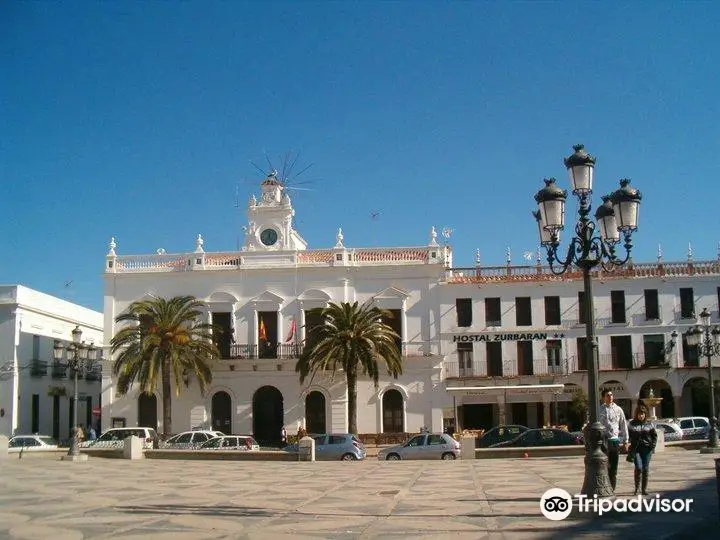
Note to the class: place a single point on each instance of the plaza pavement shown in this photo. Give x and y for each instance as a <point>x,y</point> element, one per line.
<point>42,497</point>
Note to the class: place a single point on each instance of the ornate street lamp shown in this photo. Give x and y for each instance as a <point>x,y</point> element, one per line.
<point>617,215</point>
<point>706,338</point>
<point>77,354</point>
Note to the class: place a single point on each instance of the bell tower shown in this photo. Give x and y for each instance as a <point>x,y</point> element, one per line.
<point>270,219</point>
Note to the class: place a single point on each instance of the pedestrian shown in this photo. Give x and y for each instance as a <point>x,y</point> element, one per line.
<point>283,435</point>
<point>643,439</point>
<point>91,435</point>
<point>612,417</point>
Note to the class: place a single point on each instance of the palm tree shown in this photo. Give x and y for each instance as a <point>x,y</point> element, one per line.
<point>164,340</point>
<point>352,338</point>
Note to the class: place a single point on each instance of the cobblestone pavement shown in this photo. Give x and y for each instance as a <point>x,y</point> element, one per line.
<point>498,498</point>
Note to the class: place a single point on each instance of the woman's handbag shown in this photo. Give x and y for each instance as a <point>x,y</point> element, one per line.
<point>630,456</point>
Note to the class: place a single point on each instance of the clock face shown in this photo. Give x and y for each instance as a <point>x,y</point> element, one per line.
<point>268,237</point>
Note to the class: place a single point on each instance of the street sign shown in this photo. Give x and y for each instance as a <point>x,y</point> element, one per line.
<point>96,411</point>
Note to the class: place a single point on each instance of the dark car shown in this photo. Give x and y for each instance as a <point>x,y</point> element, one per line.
<point>541,437</point>
<point>500,434</point>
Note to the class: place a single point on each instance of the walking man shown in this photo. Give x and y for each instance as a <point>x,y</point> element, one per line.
<point>612,417</point>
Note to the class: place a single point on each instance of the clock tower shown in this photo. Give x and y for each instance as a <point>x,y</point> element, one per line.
<point>270,220</point>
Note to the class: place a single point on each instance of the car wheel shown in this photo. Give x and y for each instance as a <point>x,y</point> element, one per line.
<point>448,456</point>
<point>348,457</point>
<point>393,457</point>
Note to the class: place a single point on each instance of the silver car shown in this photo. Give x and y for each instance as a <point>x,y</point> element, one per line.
<point>423,446</point>
<point>190,439</point>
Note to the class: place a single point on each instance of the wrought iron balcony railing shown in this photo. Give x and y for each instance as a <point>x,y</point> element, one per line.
<point>38,368</point>
<point>59,370</point>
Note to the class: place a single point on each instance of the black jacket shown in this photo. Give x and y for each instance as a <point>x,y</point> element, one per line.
<point>642,435</point>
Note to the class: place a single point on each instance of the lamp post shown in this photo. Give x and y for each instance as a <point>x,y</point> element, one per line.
<point>77,354</point>
<point>707,339</point>
<point>617,215</point>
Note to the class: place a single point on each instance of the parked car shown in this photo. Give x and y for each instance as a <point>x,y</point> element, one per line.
<point>671,429</point>
<point>423,446</point>
<point>500,434</point>
<point>115,438</point>
<point>694,427</point>
<point>541,437</point>
<point>190,439</point>
<point>231,442</point>
<point>32,443</point>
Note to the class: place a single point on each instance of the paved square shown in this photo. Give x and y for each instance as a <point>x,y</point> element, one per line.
<point>107,498</point>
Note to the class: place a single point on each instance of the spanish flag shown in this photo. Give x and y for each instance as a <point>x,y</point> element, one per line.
<point>291,334</point>
<point>262,333</point>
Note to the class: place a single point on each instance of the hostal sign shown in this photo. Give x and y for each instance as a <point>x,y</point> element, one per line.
<point>502,336</point>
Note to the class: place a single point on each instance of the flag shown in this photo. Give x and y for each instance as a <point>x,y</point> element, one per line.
<point>262,333</point>
<point>291,335</point>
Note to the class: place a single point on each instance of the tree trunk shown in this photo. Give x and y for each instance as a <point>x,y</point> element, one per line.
<point>351,377</point>
<point>166,398</point>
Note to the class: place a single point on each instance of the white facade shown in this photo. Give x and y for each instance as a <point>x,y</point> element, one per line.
<point>268,287</point>
<point>35,391</point>
<point>261,294</point>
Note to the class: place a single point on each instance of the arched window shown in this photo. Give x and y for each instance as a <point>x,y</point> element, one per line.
<point>392,405</point>
<point>315,412</point>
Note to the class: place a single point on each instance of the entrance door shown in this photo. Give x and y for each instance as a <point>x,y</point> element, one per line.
<point>221,412</point>
<point>147,411</point>
<point>519,414</point>
<point>268,416</point>
<point>315,412</point>
<point>478,416</point>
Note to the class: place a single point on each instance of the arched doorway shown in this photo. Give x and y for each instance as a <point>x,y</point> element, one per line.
<point>661,389</point>
<point>147,411</point>
<point>696,397</point>
<point>268,415</point>
<point>315,412</point>
<point>392,407</point>
<point>221,412</point>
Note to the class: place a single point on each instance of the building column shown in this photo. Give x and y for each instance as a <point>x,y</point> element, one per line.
<point>256,322</point>
<point>502,417</point>
<point>678,407</point>
<point>547,419</point>
<point>403,323</point>
<point>300,326</point>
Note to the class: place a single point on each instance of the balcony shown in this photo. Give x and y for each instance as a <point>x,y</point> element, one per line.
<point>38,368</point>
<point>620,361</point>
<point>59,370</point>
<point>279,351</point>
<point>478,369</point>
<point>93,372</point>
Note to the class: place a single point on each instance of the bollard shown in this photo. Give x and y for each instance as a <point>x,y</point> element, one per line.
<point>3,447</point>
<point>467,447</point>
<point>306,449</point>
<point>133,448</point>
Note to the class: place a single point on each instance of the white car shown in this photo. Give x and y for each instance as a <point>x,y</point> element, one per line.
<point>115,438</point>
<point>232,442</point>
<point>32,443</point>
<point>671,429</point>
<point>190,439</point>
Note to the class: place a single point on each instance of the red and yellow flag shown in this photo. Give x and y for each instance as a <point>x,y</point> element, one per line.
<point>262,334</point>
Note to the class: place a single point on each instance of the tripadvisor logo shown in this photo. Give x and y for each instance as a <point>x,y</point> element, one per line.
<point>557,504</point>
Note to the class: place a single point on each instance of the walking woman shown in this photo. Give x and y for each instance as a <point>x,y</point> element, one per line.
<point>643,439</point>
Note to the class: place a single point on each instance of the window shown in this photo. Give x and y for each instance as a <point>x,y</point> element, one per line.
<point>652,306</point>
<point>184,438</point>
<point>395,322</point>
<point>465,356</point>
<point>435,439</point>
<point>35,418</point>
<point>523,313</point>
<point>336,439</point>
<point>222,333</point>
<point>525,357</point>
<point>582,354</point>
<point>553,347</point>
<point>691,358</point>
<point>416,441</point>
<point>687,303</point>
<point>463,307</point>
<point>581,307</point>
<point>492,312</point>
<point>654,346</point>
<point>621,347</point>
<point>493,352</point>
<point>552,310</point>
<point>200,438</point>
<point>36,348</point>
<point>617,301</point>
<point>267,337</point>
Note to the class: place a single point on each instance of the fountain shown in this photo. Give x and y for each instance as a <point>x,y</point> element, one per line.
<point>651,402</point>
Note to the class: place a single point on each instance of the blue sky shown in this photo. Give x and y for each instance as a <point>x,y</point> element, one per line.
<point>140,120</point>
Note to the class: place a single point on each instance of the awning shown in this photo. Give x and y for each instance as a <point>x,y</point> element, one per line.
<point>514,389</point>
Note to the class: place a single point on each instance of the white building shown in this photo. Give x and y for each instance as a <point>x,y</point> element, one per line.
<point>262,295</point>
<point>464,332</point>
<point>36,392</point>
